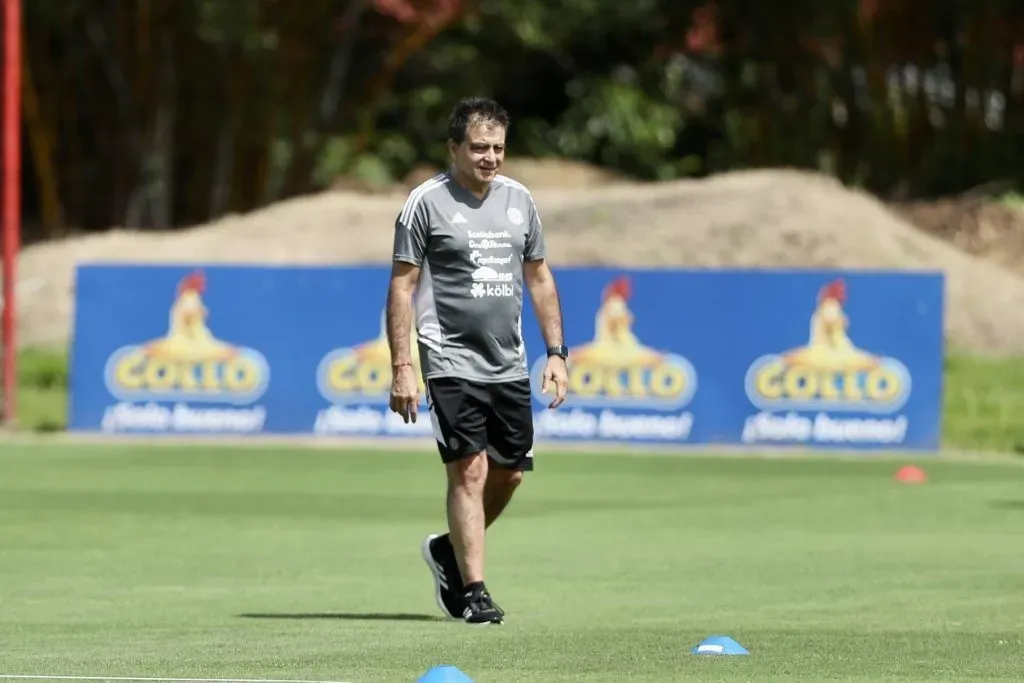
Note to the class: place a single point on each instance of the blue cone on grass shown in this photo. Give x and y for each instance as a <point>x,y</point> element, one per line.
<point>719,645</point>
<point>444,674</point>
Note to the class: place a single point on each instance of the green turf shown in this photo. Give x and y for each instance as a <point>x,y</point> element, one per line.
<point>144,562</point>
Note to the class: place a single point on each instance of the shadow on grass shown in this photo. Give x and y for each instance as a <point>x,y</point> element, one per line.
<point>1008,505</point>
<point>349,616</point>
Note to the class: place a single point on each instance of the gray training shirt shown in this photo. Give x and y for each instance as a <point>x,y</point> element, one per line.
<point>469,301</point>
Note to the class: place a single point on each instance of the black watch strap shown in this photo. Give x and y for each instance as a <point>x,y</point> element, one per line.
<point>562,351</point>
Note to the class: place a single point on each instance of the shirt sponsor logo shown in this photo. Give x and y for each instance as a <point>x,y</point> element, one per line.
<point>479,290</point>
<point>489,244</point>
<point>481,260</point>
<point>489,234</point>
<point>487,282</point>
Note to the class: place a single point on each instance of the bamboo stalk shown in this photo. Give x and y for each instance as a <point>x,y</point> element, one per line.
<point>42,144</point>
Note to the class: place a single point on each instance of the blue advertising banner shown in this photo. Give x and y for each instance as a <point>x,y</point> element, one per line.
<point>811,358</point>
<point>814,358</point>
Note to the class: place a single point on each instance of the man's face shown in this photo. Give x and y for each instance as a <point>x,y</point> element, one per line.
<point>481,153</point>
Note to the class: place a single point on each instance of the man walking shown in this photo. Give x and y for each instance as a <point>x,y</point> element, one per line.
<point>467,244</point>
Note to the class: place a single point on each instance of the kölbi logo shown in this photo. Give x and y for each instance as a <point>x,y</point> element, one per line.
<point>479,290</point>
<point>485,274</point>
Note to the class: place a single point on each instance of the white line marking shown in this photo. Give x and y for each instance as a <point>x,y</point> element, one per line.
<point>25,677</point>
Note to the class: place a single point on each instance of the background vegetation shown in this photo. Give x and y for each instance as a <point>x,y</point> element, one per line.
<point>161,113</point>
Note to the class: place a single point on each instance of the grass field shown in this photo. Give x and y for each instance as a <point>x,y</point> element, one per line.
<point>269,562</point>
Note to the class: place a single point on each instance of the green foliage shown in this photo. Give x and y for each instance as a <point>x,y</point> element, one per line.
<point>381,166</point>
<point>615,123</point>
<point>554,25</point>
<point>43,368</point>
<point>42,389</point>
<point>228,22</point>
<point>984,402</point>
<point>1014,200</point>
<point>272,98</point>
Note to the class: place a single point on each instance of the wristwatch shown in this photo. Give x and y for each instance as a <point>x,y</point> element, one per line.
<point>562,351</point>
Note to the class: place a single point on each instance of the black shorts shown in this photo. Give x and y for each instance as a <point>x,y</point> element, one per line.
<point>469,417</point>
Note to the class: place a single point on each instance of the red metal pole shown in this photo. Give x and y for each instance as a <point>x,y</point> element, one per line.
<point>11,202</point>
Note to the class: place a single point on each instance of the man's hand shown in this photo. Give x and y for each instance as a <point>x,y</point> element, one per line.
<point>556,372</point>
<point>541,283</point>
<point>405,394</point>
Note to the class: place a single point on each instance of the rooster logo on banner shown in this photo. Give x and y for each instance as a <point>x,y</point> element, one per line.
<point>189,363</point>
<point>829,372</point>
<point>616,369</point>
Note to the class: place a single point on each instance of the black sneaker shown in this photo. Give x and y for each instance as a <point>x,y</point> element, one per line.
<point>480,608</point>
<point>440,558</point>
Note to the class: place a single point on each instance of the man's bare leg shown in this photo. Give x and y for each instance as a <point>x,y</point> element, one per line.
<point>467,480</point>
<point>501,485</point>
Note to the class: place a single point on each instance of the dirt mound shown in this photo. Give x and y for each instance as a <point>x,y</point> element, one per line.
<point>561,174</point>
<point>980,226</point>
<point>757,218</point>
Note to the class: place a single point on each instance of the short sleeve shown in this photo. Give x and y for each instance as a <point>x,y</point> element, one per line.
<point>535,249</point>
<point>411,233</point>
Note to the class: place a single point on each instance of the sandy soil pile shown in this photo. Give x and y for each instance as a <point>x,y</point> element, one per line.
<point>978,225</point>
<point>757,218</point>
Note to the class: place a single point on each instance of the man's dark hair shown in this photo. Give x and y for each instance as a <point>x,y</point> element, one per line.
<point>471,111</point>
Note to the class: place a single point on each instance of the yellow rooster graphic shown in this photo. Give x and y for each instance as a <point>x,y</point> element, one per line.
<point>614,342</point>
<point>188,337</point>
<point>378,351</point>
<point>829,347</point>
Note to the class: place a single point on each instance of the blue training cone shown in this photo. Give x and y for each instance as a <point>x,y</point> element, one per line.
<point>719,645</point>
<point>444,674</point>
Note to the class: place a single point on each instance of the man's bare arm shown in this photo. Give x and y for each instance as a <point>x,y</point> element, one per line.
<point>541,283</point>
<point>404,277</point>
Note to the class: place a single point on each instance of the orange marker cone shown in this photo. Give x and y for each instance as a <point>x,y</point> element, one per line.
<point>911,474</point>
